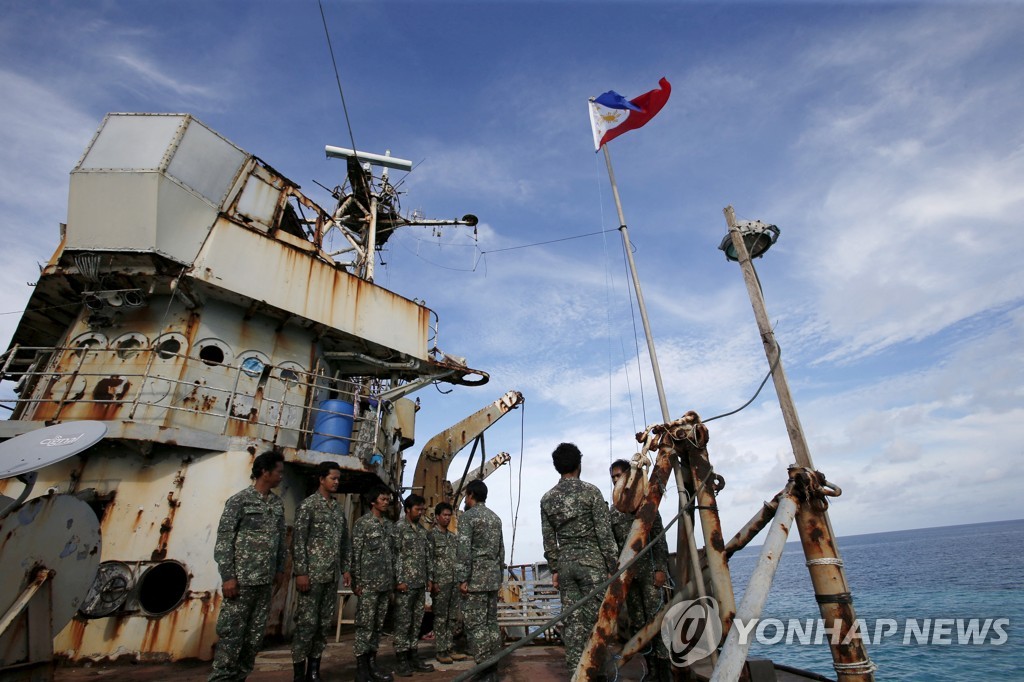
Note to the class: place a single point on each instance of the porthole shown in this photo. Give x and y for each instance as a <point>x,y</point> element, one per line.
<point>88,342</point>
<point>162,588</point>
<point>213,352</point>
<point>212,355</point>
<point>168,348</point>
<point>129,345</point>
<point>252,366</point>
<point>290,373</point>
<point>128,348</point>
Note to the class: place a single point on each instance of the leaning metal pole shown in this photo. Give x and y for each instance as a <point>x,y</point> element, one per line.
<point>737,643</point>
<point>685,536</point>
<point>835,602</point>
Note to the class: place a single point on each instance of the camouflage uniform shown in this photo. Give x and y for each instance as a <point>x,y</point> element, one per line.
<point>412,567</point>
<point>481,564</point>
<point>579,546</point>
<point>444,546</point>
<point>373,571</point>
<point>644,598</point>
<point>321,548</point>
<point>250,549</point>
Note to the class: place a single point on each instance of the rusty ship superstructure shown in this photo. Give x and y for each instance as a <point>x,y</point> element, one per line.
<point>191,307</point>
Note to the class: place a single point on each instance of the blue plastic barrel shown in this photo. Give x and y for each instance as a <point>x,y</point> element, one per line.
<point>333,427</point>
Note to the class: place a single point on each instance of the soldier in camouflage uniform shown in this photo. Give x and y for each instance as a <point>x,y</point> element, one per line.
<point>578,545</point>
<point>373,579</point>
<point>320,554</point>
<point>414,578</point>
<point>479,570</point>
<point>644,599</point>
<point>250,555</point>
<point>444,545</point>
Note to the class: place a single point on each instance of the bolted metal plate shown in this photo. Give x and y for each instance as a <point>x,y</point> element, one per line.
<point>114,582</point>
<point>36,449</point>
<point>58,532</point>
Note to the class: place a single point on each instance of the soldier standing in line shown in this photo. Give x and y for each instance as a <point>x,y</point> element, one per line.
<point>250,555</point>
<point>650,573</point>
<point>373,579</point>
<point>320,551</point>
<point>578,545</point>
<point>479,570</point>
<point>444,545</point>
<point>414,578</point>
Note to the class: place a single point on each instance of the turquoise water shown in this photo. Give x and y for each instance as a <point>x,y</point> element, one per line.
<point>970,571</point>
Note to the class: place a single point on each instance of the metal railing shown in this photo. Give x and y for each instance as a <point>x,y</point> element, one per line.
<point>146,385</point>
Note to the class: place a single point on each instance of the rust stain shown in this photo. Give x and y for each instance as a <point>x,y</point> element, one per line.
<point>173,502</point>
<point>138,520</point>
<point>77,633</point>
<point>111,388</point>
<point>149,637</point>
<point>717,541</point>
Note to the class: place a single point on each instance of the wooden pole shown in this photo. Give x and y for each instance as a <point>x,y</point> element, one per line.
<point>835,602</point>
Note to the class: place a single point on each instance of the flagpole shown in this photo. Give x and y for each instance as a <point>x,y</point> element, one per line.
<point>685,534</point>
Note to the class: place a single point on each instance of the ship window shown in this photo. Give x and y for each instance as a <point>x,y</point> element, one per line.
<point>88,342</point>
<point>128,348</point>
<point>289,376</point>
<point>211,355</point>
<point>252,366</point>
<point>168,348</point>
<point>162,587</point>
<point>85,345</point>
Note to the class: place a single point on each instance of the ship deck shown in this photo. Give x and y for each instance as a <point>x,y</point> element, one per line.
<point>531,663</point>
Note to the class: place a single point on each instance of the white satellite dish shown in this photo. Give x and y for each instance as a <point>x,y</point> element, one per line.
<point>37,449</point>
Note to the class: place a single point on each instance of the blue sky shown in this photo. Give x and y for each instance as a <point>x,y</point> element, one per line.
<point>886,141</point>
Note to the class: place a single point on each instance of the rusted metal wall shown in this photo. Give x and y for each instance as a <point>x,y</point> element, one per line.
<point>162,508</point>
<point>288,278</point>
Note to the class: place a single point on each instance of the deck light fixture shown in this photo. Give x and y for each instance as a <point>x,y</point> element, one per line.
<point>757,236</point>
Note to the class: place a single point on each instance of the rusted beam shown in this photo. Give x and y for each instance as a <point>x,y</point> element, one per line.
<point>831,591</point>
<point>734,651</point>
<point>711,527</point>
<point>754,526</point>
<point>663,438</point>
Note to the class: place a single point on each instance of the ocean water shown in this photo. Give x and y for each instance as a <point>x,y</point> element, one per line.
<point>964,572</point>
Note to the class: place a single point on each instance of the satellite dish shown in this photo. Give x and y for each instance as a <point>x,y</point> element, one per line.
<point>37,449</point>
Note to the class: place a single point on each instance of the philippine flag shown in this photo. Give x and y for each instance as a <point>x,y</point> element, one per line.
<point>611,114</point>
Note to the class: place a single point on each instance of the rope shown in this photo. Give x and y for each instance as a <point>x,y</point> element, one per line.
<point>337,76</point>
<point>550,241</point>
<point>45,307</point>
<point>636,342</point>
<point>771,371</point>
<point>519,496</point>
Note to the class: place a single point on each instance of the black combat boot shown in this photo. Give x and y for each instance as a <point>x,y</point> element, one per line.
<point>376,674</point>
<point>418,665</point>
<point>313,670</point>
<point>363,668</point>
<point>298,672</point>
<point>402,668</point>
